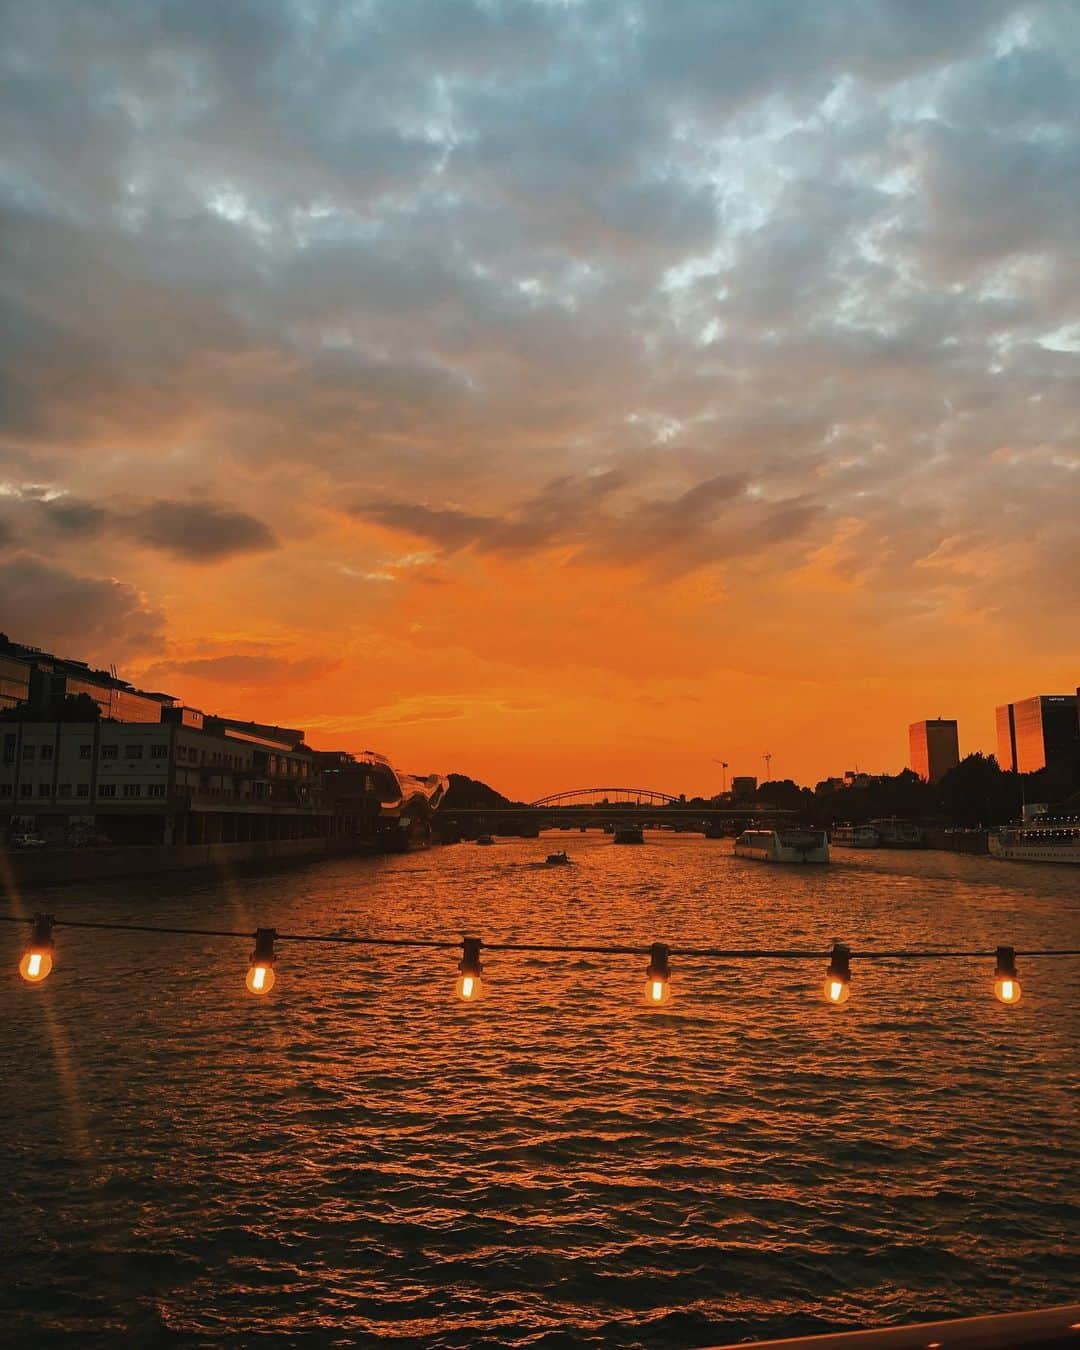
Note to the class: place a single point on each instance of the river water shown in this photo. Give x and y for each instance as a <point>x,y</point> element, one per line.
<point>357,1157</point>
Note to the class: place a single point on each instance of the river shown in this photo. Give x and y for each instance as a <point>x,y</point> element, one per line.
<point>357,1156</point>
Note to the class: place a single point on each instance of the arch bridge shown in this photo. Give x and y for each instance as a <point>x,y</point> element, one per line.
<point>607,796</point>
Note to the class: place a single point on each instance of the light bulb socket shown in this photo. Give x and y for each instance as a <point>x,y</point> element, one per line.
<point>840,962</point>
<point>659,965</point>
<point>1006,964</point>
<point>470,956</point>
<point>41,932</point>
<point>264,946</point>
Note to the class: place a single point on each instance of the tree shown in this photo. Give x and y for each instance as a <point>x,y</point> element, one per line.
<point>977,792</point>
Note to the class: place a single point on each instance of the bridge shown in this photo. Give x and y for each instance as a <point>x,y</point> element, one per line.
<point>595,808</point>
<point>607,796</point>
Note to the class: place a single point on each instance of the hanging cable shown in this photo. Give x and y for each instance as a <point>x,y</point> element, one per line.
<point>37,958</point>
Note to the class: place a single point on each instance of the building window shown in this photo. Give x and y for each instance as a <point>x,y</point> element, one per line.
<point>5,789</point>
<point>159,752</point>
<point>28,752</point>
<point>133,752</point>
<point>109,790</point>
<point>46,752</point>
<point>82,790</point>
<point>44,790</point>
<point>132,789</point>
<point>26,789</point>
<point>64,790</point>
<point>85,751</point>
<point>110,751</point>
<point>156,790</point>
<point>9,748</point>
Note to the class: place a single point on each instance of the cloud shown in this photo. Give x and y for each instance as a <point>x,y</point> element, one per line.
<point>96,617</point>
<point>198,532</point>
<point>244,669</point>
<point>714,519</point>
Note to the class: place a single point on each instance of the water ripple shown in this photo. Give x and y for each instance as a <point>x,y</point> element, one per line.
<point>357,1159</point>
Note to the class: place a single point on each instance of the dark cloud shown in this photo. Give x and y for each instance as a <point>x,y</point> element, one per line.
<point>198,532</point>
<point>54,608</point>
<point>601,521</point>
<point>72,517</point>
<point>243,669</point>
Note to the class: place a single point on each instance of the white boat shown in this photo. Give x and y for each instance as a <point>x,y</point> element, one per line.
<point>1039,837</point>
<point>855,836</point>
<point>896,833</point>
<point>795,844</point>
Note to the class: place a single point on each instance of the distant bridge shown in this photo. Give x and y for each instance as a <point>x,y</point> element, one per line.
<point>607,796</point>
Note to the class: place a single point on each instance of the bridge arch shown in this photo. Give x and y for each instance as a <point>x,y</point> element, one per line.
<point>610,796</point>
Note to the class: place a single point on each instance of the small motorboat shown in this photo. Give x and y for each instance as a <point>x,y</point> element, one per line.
<point>484,839</point>
<point>629,834</point>
<point>557,859</point>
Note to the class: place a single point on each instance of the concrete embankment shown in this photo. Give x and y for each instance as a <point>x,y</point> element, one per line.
<point>48,866</point>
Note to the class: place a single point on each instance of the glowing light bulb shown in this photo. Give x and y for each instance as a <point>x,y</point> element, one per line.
<point>1006,985</point>
<point>37,959</point>
<point>470,986</point>
<point>658,976</point>
<point>838,979</point>
<point>260,977</point>
<point>35,965</point>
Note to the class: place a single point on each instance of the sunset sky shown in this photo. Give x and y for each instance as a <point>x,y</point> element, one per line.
<point>558,393</point>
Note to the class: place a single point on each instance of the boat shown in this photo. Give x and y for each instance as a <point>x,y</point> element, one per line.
<point>795,844</point>
<point>484,839</point>
<point>896,833</point>
<point>628,834</point>
<point>1038,837</point>
<point>557,859</point>
<point>854,836</point>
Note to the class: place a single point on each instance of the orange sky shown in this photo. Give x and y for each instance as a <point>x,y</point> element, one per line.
<point>544,399</point>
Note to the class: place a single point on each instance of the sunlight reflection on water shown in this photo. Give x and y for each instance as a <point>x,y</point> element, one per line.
<point>357,1156</point>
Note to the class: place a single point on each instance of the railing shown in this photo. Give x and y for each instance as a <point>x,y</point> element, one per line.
<point>1046,1329</point>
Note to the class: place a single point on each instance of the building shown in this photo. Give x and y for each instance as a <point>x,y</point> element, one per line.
<point>144,768</point>
<point>370,797</point>
<point>158,782</point>
<point>935,748</point>
<point>1038,733</point>
<point>743,787</point>
<point>30,675</point>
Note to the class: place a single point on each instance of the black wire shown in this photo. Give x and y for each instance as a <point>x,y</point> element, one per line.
<point>693,953</point>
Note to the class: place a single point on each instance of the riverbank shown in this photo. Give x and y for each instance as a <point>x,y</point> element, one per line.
<point>53,866</point>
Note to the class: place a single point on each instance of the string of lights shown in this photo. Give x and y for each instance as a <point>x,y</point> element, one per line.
<point>37,958</point>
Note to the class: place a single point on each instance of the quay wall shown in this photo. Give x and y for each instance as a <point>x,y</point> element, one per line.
<point>48,866</point>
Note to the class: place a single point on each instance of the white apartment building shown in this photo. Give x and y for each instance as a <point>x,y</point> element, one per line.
<point>156,782</point>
